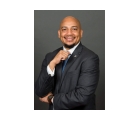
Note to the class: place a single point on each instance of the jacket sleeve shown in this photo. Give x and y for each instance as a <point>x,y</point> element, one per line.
<point>44,83</point>
<point>86,86</point>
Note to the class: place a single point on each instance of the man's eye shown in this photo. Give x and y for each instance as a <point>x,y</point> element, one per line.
<point>63,29</point>
<point>74,28</point>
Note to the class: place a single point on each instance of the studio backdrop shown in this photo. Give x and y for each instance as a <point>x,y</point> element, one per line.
<point>46,25</point>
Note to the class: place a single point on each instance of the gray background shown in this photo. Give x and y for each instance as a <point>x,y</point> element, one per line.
<point>46,25</point>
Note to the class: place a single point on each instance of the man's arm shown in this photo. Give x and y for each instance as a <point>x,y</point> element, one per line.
<point>44,83</point>
<point>87,84</point>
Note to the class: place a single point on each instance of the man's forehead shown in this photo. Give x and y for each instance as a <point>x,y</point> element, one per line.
<point>70,21</point>
<point>70,26</point>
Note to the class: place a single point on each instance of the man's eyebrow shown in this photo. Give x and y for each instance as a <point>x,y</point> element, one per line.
<point>63,26</point>
<point>75,26</point>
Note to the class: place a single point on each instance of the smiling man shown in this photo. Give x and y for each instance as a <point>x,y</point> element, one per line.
<point>70,74</point>
<point>70,32</point>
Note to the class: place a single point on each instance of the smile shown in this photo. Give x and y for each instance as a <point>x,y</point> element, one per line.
<point>69,38</point>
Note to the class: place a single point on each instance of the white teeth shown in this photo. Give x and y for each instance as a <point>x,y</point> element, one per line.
<point>69,39</point>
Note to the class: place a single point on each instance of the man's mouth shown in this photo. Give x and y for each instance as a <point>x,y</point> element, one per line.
<point>69,38</point>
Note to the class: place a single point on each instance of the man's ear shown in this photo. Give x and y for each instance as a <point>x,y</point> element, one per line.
<point>81,33</point>
<point>58,33</point>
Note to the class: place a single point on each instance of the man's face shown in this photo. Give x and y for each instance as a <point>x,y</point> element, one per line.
<point>70,32</point>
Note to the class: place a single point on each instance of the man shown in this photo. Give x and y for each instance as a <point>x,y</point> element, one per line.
<point>70,74</point>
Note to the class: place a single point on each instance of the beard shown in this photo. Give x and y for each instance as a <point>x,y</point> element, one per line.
<point>69,46</point>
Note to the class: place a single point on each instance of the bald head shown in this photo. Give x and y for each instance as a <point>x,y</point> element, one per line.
<point>71,19</point>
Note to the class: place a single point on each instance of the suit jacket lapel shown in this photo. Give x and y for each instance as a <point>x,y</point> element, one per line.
<point>71,60</point>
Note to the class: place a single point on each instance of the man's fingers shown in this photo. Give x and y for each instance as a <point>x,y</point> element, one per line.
<point>67,52</point>
<point>40,99</point>
<point>43,100</point>
<point>62,55</point>
<point>64,52</point>
<point>65,55</point>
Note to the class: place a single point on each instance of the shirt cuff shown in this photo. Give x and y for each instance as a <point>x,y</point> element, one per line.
<point>50,71</point>
<point>52,100</point>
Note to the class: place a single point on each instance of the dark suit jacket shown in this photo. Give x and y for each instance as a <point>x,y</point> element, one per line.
<point>75,88</point>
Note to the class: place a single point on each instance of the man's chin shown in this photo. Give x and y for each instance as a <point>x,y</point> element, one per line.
<point>69,46</point>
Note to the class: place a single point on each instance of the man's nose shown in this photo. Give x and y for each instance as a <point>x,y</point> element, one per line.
<point>69,32</point>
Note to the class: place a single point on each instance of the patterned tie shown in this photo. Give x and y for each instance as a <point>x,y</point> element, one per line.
<point>64,63</point>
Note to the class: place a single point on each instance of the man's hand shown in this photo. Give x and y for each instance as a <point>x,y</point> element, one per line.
<point>61,55</point>
<point>45,99</point>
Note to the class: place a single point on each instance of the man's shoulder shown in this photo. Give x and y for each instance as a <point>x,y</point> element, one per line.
<point>88,52</point>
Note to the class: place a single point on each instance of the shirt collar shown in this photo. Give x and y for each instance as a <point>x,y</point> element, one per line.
<point>72,49</point>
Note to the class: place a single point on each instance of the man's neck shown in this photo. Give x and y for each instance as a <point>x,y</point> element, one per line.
<point>71,50</point>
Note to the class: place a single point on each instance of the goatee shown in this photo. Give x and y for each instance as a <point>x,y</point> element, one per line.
<point>69,46</point>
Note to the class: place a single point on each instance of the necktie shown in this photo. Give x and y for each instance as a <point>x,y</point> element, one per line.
<point>64,63</point>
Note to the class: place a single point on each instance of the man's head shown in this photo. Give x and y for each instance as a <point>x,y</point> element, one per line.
<point>70,31</point>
